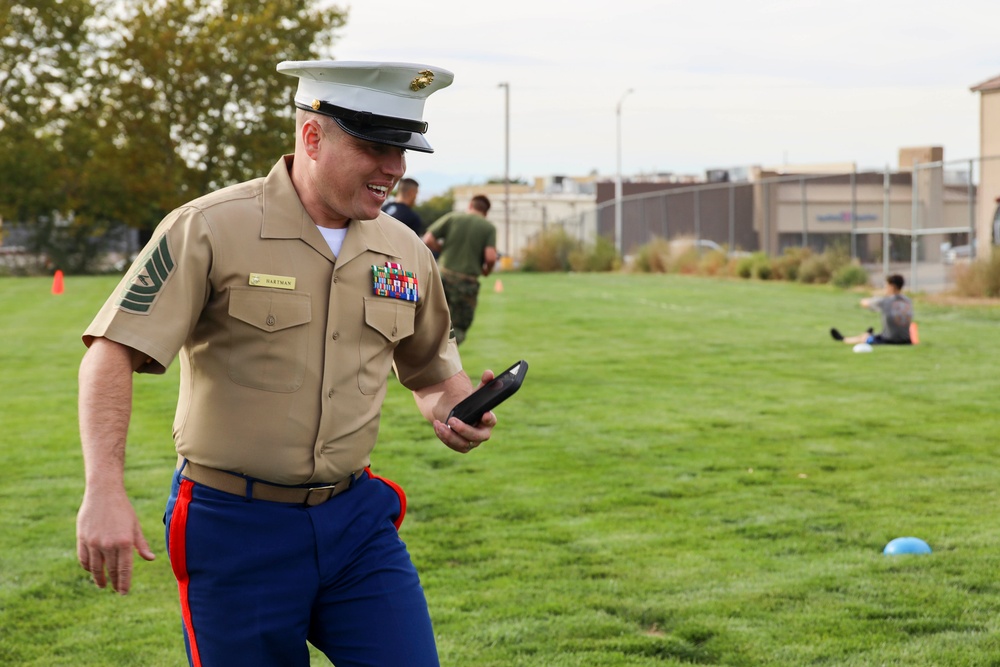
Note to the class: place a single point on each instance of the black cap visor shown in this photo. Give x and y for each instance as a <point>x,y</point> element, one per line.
<point>386,135</point>
<point>399,132</point>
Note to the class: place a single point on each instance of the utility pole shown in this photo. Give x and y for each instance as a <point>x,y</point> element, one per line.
<point>618,179</point>
<point>506,167</point>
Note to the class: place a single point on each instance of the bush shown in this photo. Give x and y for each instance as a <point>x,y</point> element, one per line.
<point>549,251</point>
<point>757,265</point>
<point>981,278</point>
<point>815,269</point>
<point>555,250</point>
<point>850,275</point>
<point>787,266</point>
<point>714,263</point>
<point>601,256</point>
<point>653,257</point>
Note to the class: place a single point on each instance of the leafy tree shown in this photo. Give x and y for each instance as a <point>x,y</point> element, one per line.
<point>40,47</point>
<point>113,112</point>
<point>435,207</point>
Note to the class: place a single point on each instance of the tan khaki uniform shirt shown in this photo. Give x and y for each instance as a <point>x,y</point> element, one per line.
<point>285,349</point>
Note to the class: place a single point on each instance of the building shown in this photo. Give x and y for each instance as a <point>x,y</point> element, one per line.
<point>989,154</point>
<point>532,209</point>
<point>876,215</point>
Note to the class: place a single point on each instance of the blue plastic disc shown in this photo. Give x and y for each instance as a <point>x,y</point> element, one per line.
<point>906,545</point>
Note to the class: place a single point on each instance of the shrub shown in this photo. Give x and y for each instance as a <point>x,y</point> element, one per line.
<point>980,278</point>
<point>601,256</point>
<point>850,275</point>
<point>549,251</point>
<point>815,269</point>
<point>762,269</point>
<point>653,257</point>
<point>714,263</point>
<point>787,266</point>
<point>686,261</point>
<point>757,265</point>
<point>744,267</point>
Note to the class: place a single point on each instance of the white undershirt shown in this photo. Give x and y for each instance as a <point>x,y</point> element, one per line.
<point>334,238</point>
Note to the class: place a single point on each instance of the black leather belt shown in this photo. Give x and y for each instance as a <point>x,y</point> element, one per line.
<point>228,482</point>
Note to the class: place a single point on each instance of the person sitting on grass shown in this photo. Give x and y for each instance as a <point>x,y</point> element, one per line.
<point>897,314</point>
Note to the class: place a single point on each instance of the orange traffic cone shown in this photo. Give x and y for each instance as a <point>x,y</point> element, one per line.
<point>57,282</point>
<point>498,286</point>
<point>914,334</point>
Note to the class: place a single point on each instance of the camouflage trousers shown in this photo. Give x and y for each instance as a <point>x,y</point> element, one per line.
<point>462,293</point>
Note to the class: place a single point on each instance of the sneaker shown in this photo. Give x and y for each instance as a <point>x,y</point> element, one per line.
<point>836,334</point>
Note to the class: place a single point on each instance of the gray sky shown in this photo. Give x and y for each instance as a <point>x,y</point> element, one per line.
<point>717,83</point>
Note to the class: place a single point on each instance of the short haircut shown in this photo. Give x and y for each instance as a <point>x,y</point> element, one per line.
<point>408,184</point>
<point>895,280</point>
<point>481,203</point>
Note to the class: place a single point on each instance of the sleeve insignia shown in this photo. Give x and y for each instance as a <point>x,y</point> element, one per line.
<point>149,275</point>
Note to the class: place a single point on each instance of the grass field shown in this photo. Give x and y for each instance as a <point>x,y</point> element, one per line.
<point>693,473</point>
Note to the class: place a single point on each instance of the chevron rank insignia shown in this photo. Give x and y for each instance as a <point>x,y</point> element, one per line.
<point>148,279</point>
<point>391,281</point>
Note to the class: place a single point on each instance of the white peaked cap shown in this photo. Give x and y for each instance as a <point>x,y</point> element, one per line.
<point>380,102</point>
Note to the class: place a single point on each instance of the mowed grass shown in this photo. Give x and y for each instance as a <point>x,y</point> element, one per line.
<point>693,473</point>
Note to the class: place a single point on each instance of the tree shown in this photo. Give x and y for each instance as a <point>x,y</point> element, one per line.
<point>145,104</point>
<point>435,207</point>
<point>40,46</point>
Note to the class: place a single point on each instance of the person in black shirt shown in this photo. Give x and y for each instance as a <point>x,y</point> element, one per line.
<point>402,207</point>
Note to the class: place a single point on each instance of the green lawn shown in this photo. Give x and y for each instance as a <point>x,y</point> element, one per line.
<point>693,473</point>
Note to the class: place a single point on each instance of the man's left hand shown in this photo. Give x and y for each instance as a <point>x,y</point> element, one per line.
<point>462,437</point>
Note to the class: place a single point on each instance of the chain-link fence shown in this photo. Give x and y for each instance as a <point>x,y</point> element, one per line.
<point>920,221</point>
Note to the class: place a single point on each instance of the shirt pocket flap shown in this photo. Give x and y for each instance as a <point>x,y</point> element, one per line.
<point>391,318</point>
<point>270,311</point>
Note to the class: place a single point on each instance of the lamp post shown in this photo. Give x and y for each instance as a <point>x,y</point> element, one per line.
<point>618,179</point>
<point>506,166</point>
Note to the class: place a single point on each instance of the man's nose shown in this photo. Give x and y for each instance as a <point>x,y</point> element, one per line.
<point>395,163</point>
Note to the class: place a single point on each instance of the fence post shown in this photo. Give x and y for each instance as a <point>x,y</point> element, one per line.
<point>666,229</point>
<point>805,215</point>
<point>697,217</point>
<point>886,211</point>
<point>972,216</point>
<point>732,217</point>
<point>914,188</point>
<point>854,213</point>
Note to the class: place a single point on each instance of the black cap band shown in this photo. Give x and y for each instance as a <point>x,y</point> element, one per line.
<point>365,117</point>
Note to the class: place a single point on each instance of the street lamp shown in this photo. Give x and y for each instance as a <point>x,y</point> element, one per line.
<point>618,179</point>
<point>506,166</point>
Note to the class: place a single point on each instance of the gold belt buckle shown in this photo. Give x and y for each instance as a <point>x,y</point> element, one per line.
<point>312,502</point>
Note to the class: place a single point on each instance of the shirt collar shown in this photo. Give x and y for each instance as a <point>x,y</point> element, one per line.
<point>286,218</point>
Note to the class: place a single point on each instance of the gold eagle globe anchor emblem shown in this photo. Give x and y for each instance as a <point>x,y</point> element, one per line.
<point>423,79</point>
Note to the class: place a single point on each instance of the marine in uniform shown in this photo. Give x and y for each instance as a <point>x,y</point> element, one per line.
<point>465,247</point>
<point>287,309</point>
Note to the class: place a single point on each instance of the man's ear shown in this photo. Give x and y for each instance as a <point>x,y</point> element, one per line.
<point>312,135</point>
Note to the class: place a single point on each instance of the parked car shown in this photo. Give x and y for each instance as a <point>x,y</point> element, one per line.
<point>702,245</point>
<point>953,254</point>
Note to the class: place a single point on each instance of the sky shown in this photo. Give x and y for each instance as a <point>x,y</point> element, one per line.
<point>714,83</point>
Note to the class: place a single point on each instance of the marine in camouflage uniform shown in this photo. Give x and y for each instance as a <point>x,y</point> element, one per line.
<point>467,246</point>
<point>462,293</point>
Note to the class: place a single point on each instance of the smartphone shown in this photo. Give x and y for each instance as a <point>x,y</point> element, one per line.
<point>490,395</point>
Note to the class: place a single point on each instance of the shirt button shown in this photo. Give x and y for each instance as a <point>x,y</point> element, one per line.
<point>335,279</point>
<point>270,320</point>
<point>394,331</point>
<point>329,394</point>
<point>336,335</point>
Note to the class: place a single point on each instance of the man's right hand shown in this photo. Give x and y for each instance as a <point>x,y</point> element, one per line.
<point>107,530</point>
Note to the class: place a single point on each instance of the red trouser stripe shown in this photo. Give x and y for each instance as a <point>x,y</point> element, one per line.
<point>399,492</point>
<point>178,561</point>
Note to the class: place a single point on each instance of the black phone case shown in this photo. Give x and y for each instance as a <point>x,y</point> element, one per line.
<point>487,397</point>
